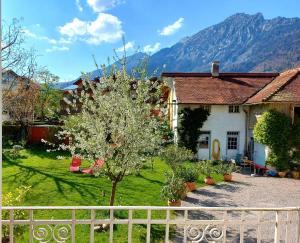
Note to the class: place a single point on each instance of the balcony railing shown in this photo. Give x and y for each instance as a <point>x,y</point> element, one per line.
<point>180,224</point>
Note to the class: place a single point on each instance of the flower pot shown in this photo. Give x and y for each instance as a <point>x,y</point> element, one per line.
<point>281,174</point>
<point>191,186</point>
<point>295,174</point>
<point>174,203</point>
<point>227,177</point>
<point>209,181</point>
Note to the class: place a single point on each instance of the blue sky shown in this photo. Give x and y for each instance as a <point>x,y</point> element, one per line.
<point>66,33</point>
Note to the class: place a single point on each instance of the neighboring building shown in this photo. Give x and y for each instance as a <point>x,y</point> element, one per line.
<point>235,101</point>
<point>10,81</point>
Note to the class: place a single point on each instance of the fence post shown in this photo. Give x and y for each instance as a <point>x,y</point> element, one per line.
<point>276,233</point>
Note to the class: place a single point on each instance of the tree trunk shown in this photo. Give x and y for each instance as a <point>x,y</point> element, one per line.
<point>113,193</point>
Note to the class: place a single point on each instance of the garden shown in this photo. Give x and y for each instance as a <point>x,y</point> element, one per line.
<point>43,179</point>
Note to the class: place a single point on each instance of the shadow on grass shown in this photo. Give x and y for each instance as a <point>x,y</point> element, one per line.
<point>148,179</point>
<point>28,172</point>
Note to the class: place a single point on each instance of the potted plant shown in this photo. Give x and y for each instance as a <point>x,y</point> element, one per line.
<point>175,155</point>
<point>279,162</point>
<point>226,170</point>
<point>189,176</point>
<point>207,168</point>
<point>295,168</point>
<point>174,190</point>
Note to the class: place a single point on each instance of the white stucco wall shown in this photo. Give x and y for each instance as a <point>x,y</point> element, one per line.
<point>219,123</point>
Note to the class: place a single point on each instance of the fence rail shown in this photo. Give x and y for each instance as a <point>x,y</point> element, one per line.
<point>180,224</point>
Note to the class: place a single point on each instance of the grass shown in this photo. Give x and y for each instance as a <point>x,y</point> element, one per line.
<point>53,185</point>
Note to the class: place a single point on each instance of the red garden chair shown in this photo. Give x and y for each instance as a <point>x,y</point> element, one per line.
<point>98,164</point>
<point>75,164</point>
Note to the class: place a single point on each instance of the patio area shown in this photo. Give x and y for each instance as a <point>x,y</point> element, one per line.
<point>254,192</point>
<point>248,191</point>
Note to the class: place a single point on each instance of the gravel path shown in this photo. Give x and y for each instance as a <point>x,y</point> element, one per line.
<point>247,191</point>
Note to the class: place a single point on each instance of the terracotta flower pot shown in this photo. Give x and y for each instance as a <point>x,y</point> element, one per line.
<point>281,174</point>
<point>174,203</point>
<point>209,181</point>
<point>191,186</point>
<point>295,174</point>
<point>227,177</point>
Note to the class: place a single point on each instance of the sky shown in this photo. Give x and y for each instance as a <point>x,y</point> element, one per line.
<point>68,33</point>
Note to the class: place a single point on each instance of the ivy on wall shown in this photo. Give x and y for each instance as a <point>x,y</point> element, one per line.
<point>191,121</point>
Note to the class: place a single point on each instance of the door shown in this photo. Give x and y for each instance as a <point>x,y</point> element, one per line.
<point>232,148</point>
<point>204,146</point>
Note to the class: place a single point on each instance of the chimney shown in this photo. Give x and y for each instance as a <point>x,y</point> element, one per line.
<point>215,66</point>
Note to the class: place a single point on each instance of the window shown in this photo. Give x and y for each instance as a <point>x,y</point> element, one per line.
<point>205,107</point>
<point>232,140</point>
<point>204,140</point>
<point>234,109</point>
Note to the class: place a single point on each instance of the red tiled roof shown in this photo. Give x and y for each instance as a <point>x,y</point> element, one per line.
<point>284,88</point>
<point>227,88</point>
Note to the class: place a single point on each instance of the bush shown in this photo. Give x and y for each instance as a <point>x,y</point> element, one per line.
<point>226,168</point>
<point>206,168</point>
<point>174,155</point>
<point>174,188</point>
<point>188,174</point>
<point>275,130</point>
<point>14,199</point>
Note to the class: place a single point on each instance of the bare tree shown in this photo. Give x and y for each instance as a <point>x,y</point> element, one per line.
<point>14,55</point>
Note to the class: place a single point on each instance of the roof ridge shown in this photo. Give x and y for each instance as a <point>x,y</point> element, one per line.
<point>255,93</point>
<point>282,85</point>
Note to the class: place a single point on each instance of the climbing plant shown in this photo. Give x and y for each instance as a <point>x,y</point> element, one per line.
<point>191,121</point>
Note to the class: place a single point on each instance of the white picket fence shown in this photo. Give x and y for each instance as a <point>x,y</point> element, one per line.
<point>191,224</point>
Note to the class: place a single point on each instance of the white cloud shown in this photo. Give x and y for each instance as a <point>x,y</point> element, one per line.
<point>78,5</point>
<point>106,28</point>
<point>57,48</point>
<point>172,28</point>
<point>76,27</point>
<point>152,48</point>
<point>129,45</point>
<point>102,5</point>
<point>62,41</point>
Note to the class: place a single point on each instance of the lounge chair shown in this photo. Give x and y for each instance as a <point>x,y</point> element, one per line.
<point>75,164</point>
<point>98,164</point>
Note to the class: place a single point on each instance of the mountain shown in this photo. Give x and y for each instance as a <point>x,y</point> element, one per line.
<point>132,61</point>
<point>242,43</point>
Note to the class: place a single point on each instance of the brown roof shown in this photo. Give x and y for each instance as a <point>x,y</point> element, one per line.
<point>284,88</point>
<point>227,88</point>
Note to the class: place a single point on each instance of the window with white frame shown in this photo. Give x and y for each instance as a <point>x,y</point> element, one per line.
<point>232,140</point>
<point>234,109</point>
<point>203,141</point>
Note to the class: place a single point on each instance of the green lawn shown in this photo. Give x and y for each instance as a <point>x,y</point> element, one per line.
<point>52,184</point>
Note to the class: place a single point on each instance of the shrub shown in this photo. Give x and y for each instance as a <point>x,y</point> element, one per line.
<point>174,188</point>
<point>206,168</point>
<point>225,168</point>
<point>175,155</point>
<point>14,199</point>
<point>275,130</point>
<point>188,174</point>
<point>278,161</point>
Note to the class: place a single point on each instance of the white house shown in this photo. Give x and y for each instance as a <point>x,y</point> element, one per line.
<point>235,101</point>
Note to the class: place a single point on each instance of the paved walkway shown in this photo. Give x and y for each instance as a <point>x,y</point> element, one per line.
<point>247,191</point>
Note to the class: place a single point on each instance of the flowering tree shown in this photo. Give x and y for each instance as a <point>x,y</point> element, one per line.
<point>115,124</point>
